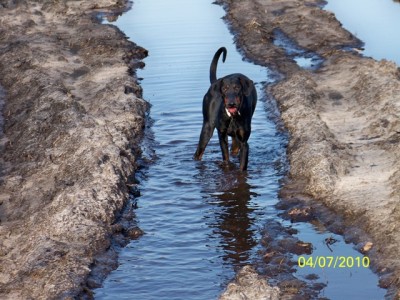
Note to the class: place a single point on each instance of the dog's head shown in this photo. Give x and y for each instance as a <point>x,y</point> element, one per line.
<point>232,90</point>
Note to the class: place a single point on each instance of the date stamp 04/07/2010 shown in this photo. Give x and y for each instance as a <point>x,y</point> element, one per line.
<point>333,262</point>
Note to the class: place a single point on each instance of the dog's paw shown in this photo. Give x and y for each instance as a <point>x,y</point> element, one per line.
<point>235,152</point>
<point>197,156</point>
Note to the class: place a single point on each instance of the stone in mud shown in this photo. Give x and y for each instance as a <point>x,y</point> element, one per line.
<point>249,285</point>
<point>365,247</point>
<point>299,214</point>
<point>293,286</point>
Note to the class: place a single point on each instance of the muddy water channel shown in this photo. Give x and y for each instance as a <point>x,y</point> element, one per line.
<point>203,221</point>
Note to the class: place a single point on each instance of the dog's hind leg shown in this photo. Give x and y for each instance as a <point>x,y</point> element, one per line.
<point>235,146</point>
<point>205,136</point>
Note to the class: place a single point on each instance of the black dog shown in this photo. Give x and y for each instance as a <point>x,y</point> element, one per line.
<point>228,105</point>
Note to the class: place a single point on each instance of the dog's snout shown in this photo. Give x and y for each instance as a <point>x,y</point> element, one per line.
<point>232,100</point>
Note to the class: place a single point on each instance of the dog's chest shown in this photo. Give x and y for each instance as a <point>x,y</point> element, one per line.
<point>233,126</point>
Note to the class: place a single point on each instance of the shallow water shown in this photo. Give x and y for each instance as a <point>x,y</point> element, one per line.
<point>305,59</point>
<point>201,221</point>
<point>375,22</point>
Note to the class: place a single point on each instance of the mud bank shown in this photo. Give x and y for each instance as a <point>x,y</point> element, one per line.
<point>72,121</point>
<point>343,120</point>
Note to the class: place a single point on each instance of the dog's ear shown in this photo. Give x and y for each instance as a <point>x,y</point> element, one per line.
<point>215,88</point>
<point>247,86</point>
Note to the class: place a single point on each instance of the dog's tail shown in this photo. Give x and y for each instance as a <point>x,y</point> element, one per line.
<point>214,62</point>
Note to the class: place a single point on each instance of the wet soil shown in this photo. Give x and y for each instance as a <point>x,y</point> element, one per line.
<point>343,121</point>
<point>73,118</point>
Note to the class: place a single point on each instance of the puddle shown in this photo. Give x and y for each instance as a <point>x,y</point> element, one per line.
<point>346,274</point>
<point>375,22</point>
<point>305,59</point>
<point>202,222</point>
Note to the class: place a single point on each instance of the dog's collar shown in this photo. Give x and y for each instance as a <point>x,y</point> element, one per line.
<point>229,114</point>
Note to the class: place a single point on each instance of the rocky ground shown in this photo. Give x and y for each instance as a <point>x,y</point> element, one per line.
<point>73,116</point>
<point>72,121</point>
<point>343,120</point>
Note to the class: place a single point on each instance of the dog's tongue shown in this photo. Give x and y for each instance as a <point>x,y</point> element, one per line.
<point>232,110</point>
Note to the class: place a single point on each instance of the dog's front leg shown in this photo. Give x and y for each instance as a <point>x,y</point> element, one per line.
<point>205,136</point>
<point>243,135</point>
<point>223,142</point>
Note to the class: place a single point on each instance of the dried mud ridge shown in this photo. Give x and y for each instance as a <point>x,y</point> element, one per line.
<point>343,121</point>
<point>73,116</point>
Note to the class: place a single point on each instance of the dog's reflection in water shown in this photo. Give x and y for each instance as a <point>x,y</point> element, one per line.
<point>229,193</point>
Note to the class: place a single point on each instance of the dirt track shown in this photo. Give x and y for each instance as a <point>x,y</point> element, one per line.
<point>343,120</point>
<point>73,116</point>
